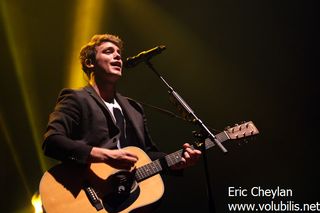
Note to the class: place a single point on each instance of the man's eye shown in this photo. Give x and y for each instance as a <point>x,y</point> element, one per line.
<point>107,51</point>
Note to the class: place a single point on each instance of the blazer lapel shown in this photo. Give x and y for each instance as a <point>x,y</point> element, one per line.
<point>95,96</point>
<point>132,115</point>
<point>99,101</point>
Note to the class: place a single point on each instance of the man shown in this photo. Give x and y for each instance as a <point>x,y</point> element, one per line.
<point>94,123</point>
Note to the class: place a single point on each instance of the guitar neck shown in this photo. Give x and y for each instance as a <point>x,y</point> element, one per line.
<point>155,167</point>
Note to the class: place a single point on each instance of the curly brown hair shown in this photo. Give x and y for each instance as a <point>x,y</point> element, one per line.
<point>88,51</point>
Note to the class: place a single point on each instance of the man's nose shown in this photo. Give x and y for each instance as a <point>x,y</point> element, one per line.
<point>117,56</point>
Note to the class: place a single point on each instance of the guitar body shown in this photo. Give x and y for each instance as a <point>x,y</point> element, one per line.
<point>100,188</point>
<point>64,188</point>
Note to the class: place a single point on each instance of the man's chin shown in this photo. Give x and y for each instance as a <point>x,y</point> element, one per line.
<point>116,72</point>
<point>114,76</point>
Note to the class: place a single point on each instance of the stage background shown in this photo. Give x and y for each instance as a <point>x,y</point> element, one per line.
<point>232,61</point>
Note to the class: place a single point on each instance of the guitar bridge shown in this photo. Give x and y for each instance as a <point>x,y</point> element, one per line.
<point>94,199</point>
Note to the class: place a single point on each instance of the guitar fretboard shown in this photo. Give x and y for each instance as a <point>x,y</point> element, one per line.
<point>148,170</point>
<point>155,167</point>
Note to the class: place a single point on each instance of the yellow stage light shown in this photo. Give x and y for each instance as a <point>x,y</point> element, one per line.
<point>36,202</point>
<point>86,23</point>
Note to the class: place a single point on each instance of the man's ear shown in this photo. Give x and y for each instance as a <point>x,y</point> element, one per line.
<point>89,63</point>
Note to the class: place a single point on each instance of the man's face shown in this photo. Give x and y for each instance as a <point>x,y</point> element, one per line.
<point>108,60</point>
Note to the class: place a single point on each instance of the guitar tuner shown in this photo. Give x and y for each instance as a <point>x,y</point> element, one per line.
<point>198,144</point>
<point>121,189</point>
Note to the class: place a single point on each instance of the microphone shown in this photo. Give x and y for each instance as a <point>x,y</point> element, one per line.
<point>143,56</point>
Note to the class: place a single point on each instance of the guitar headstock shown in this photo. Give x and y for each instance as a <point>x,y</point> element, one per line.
<point>242,130</point>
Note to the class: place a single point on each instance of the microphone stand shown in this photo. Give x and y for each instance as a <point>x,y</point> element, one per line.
<point>191,116</point>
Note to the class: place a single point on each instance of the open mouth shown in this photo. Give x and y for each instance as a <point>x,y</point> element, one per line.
<point>116,64</point>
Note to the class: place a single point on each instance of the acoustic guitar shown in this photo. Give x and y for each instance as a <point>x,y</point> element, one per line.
<point>99,187</point>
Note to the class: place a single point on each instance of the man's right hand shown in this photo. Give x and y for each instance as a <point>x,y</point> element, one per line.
<point>117,158</point>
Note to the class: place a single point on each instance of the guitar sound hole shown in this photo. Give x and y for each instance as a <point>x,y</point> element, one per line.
<point>124,190</point>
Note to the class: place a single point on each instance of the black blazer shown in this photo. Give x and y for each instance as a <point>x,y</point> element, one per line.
<point>81,121</point>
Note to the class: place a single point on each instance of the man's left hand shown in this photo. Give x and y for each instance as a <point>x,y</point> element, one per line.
<point>190,157</point>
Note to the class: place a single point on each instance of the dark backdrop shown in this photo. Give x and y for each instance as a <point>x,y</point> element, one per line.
<point>232,61</point>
